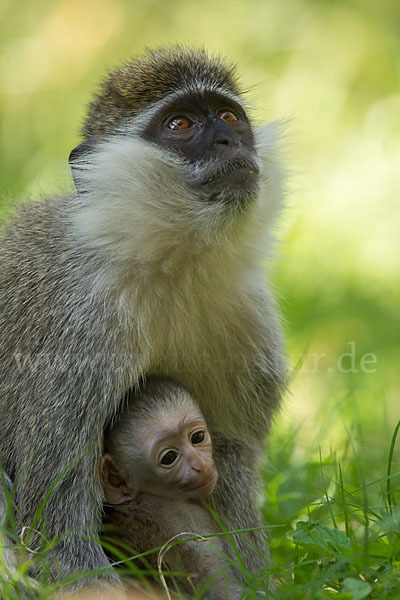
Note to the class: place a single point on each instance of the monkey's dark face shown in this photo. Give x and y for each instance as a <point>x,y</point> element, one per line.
<point>211,132</point>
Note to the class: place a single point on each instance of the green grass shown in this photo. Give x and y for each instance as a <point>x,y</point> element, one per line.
<point>336,523</point>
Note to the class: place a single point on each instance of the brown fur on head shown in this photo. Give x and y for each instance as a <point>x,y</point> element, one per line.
<point>149,78</point>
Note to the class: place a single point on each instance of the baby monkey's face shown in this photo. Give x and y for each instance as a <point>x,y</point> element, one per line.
<point>168,454</point>
<point>179,452</point>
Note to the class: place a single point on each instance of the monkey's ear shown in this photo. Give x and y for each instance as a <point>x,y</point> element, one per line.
<point>116,491</point>
<point>76,158</point>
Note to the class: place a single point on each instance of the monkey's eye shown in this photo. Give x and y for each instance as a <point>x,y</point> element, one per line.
<point>197,437</point>
<point>178,123</point>
<point>227,116</point>
<point>169,458</point>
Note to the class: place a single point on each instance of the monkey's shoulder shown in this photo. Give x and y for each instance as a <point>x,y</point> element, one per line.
<point>37,227</point>
<point>43,281</point>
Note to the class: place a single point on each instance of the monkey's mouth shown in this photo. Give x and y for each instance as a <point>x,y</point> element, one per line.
<point>205,488</point>
<point>237,170</point>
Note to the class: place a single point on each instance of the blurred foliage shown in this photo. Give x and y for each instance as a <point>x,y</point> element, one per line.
<point>331,68</point>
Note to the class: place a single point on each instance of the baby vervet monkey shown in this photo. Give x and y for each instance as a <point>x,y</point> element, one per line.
<point>157,472</point>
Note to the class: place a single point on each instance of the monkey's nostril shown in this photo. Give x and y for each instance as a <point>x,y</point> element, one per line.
<point>225,141</point>
<point>198,467</point>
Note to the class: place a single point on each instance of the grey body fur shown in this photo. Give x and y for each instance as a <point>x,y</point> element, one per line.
<point>135,275</point>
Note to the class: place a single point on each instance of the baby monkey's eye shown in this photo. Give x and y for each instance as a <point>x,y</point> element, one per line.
<point>227,116</point>
<point>177,123</point>
<point>169,457</point>
<point>197,437</point>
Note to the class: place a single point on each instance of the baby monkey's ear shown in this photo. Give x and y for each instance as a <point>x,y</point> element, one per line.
<point>115,488</point>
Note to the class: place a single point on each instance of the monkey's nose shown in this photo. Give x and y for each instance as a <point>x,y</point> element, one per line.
<point>224,136</point>
<point>197,463</point>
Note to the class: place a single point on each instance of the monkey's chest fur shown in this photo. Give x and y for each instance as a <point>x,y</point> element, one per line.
<point>77,332</point>
<point>211,332</point>
<point>190,333</point>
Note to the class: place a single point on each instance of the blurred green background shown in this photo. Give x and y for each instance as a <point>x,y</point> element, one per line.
<point>331,69</point>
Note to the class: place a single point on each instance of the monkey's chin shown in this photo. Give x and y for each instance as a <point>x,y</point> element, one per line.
<point>236,188</point>
<point>234,198</point>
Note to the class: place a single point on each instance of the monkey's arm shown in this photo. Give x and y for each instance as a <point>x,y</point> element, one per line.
<point>257,380</point>
<point>202,560</point>
<point>155,521</point>
<point>235,501</point>
<point>59,382</point>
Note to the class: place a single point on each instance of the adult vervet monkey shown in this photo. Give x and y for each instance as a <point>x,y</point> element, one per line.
<point>153,266</point>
